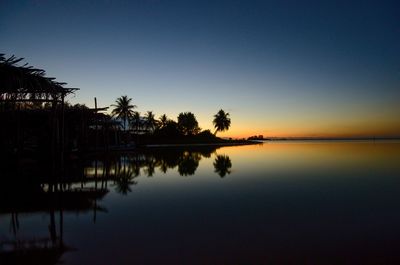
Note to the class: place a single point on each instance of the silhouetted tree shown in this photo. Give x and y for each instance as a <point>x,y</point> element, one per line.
<point>221,121</point>
<point>222,165</point>
<point>206,136</point>
<point>163,121</point>
<point>123,109</point>
<point>188,124</point>
<point>76,106</point>
<point>170,130</point>
<point>136,121</point>
<point>150,121</point>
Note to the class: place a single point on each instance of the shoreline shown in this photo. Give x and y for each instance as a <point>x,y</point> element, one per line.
<point>329,139</point>
<point>200,144</point>
<point>228,143</point>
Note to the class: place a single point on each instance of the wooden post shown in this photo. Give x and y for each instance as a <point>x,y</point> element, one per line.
<point>96,124</point>
<point>62,140</point>
<point>53,140</point>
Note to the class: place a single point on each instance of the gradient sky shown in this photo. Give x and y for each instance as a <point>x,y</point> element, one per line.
<point>280,68</point>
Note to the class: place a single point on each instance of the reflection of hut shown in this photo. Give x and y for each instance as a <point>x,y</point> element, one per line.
<point>49,249</point>
<point>31,111</point>
<point>43,250</point>
<point>35,251</point>
<point>72,199</point>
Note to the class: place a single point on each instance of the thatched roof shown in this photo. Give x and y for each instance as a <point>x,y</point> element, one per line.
<point>25,83</point>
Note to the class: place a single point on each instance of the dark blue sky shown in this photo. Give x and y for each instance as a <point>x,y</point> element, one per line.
<point>279,67</point>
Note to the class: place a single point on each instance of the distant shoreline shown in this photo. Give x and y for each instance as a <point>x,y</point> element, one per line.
<point>199,143</point>
<point>202,144</point>
<point>330,139</point>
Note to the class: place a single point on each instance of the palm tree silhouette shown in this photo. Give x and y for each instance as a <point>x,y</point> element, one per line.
<point>188,124</point>
<point>221,121</point>
<point>150,121</point>
<point>163,121</point>
<point>222,165</point>
<point>123,109</point>
<point>136,121</point>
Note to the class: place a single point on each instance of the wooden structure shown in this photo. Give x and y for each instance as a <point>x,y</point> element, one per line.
<point>26,94</point>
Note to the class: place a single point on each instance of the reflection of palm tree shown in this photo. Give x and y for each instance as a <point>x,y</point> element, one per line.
<point>124,180</point>
<point>221,121</point>
<point>136,170</point>
<point>188,163</point>
<point>123,109</point>
<point>163,166</point>
<point>222,165</point>
<point>150,166</point>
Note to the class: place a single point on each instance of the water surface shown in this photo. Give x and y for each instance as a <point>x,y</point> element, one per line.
<point>276,203</point>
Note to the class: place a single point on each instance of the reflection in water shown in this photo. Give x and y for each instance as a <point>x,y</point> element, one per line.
<point>123,169</point>
<point>284,203</point>
<point>222,165</point>
<point>79,191</point>
<point>124,180</point>
<point>147,161</point>
<point>52,199</point>
<point>25,193</point>
<point>188,163</point>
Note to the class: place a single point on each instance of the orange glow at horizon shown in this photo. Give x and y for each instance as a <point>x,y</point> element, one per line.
<point>368,128</point>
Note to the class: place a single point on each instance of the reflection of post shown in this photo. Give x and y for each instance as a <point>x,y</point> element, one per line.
<point>14,223</point>
<point>95,211</point>
<point>95,173</point>
<point>105,170</point>
<point>52,227</point>
<point>61,227</point>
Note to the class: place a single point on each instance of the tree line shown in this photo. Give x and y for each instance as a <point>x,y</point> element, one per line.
<point>186,124</point>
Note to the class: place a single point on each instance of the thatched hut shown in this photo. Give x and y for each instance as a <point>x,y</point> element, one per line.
<point>31,111</point>
<point>23,83</point>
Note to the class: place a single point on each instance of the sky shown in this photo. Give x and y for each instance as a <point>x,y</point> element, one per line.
<point>280,68</point>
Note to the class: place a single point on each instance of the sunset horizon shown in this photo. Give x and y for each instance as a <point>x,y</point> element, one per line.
<point>199,132</point>
<point>279,69</point>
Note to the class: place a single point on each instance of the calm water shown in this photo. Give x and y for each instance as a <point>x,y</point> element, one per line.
<point>276,203</point>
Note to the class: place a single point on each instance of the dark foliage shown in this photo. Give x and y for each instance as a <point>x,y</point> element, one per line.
<point>187,123</point>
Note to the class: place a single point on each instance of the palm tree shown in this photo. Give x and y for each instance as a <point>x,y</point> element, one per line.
<point>136,121</point>
<point>188,124</point>
<point>221,121</point>
<point>163,121</point>
<point>123,109</point>
<point>150,121</point>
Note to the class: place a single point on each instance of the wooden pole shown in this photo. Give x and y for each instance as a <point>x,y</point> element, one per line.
<point>96,124</point>
<point>62,140</point>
